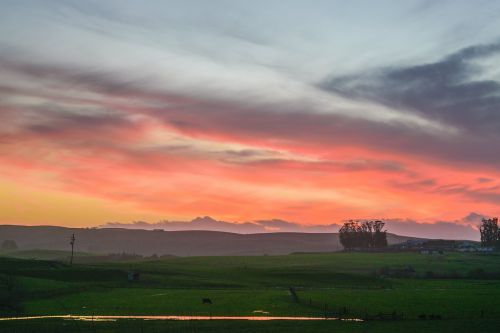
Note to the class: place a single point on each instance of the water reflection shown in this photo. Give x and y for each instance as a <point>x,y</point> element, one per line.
<point>112,318</point>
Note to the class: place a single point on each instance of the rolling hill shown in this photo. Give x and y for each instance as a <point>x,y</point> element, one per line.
<point>178,243</point>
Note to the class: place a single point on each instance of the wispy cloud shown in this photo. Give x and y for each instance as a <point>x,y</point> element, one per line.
<point>452,91</point>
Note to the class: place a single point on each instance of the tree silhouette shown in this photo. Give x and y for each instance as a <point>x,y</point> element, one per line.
<point>379,235</point>
<point>490,234</point>
<point>366,234</point>
<point>348,234</point>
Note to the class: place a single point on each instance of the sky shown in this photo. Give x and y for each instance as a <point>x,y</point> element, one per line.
<point>307,111</point>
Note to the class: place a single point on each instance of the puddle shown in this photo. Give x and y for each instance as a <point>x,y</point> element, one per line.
<point>112,318</point>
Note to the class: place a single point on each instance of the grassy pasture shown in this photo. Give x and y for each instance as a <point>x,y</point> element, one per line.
<point>238,286</point>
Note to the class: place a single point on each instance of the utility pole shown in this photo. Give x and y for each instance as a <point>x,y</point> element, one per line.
<point>72,248</point>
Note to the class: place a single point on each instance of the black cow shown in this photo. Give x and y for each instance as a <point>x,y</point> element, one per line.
<point>206,301</point>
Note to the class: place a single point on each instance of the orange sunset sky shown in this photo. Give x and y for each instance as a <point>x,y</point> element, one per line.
<point>172,110</point>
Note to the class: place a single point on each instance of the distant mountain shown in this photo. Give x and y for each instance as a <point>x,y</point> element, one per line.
<point>208,223</point>
<point>179,243</point>
<point>464,228</point>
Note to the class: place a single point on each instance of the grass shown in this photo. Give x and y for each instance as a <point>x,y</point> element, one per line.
<point>241,285</point>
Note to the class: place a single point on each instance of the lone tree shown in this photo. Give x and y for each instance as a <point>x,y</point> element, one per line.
<point>366,234</point>
<point>490,234</point>
<point>9,245</point>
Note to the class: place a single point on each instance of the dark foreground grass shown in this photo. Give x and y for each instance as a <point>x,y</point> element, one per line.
<point>154,326</point>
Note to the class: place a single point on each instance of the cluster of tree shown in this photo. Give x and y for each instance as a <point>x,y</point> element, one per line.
<point>365,234</point>
<point>490,234</point>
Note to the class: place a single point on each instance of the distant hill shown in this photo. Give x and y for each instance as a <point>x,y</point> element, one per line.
<point>464,228</point>
<point>179,243</point>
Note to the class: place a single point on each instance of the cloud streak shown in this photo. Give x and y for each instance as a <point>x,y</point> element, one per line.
<point>451,90</point>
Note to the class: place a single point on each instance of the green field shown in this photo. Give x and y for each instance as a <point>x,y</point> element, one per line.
<point>462,289</point>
